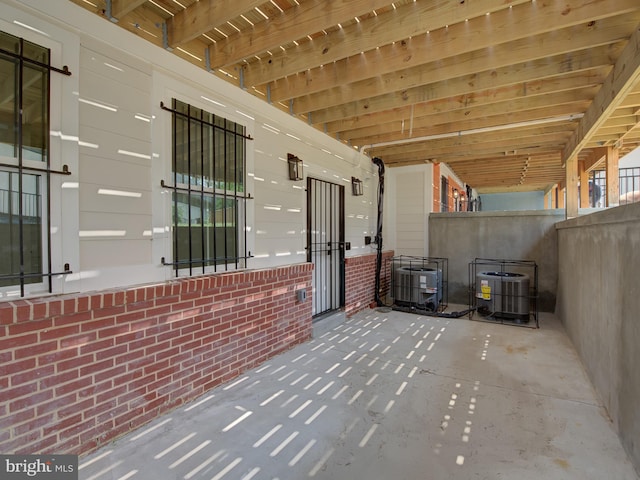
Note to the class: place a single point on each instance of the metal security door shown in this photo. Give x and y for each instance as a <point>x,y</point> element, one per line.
<point>325,243</point>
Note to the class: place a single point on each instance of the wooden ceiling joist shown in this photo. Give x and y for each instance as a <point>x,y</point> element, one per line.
<point>545,79</point>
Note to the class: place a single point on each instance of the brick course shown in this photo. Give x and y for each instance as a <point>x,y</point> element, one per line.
<point>81,370</point>
<point>360,275</point>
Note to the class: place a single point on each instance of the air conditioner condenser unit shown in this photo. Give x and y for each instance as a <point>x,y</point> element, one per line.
<point>419,287</point>
<point>503,294</point>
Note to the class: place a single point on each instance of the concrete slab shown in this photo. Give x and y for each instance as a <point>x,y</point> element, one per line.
<point>389,395</point>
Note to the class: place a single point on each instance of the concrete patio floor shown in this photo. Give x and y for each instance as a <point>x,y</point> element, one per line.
<point>387,395</point>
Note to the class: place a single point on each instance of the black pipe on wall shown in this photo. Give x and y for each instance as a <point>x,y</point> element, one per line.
<point>377,161</point>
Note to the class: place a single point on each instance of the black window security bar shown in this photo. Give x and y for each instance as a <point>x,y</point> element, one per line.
<point>504,291</point>
<point>29,68</point>
<point>419,284</point>
<point>208,190</point>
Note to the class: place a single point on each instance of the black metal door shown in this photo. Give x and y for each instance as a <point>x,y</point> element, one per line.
<point>325,243</point>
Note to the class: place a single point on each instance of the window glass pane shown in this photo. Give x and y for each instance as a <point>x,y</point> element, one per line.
<point>181,150</point>
<point>180,106</point>
<point>10,227</point>
<point>34,117</point>
<point>229,172</point>
<point>35,52</point>
<point>181,226</point>
<point>219,158</point>
<point>9,43</point>
<point>240,155</point>
<point>208,158</point>
<point>35,81</point>
<point>9,108</point>
<point>195,160</point>
<point>221,229</point>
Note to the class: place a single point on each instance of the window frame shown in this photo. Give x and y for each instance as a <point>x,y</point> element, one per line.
<point>199,186</point>
<point>42,169</point>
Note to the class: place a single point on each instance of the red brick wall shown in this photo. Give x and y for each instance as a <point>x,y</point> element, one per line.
<point>360,280</point>
<point>436,187</point>
<point>80,370</point>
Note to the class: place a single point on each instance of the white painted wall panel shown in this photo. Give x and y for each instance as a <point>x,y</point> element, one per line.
<point>129,226</point>
<point>115,231</point>
<point>122,123</point>
<point>410,213</point>
<point>113,64</point>
<point>132,76</point>
<point>115,173</point>
<point>94,252</point>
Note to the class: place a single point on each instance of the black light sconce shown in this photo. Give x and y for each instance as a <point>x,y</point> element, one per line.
<point>295,167</point>
<point>356,186</point>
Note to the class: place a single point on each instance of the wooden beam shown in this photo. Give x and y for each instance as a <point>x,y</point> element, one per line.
<point>120,8</point>
<point>618,83</point>
<point>535,70</point>
<point>202,17</point>
<point>447,154</point>
<point>476,71</point>
<point>293,24</point>
<point>497,138</point>
<point>423,128</point>
<point>452,110</point>
<point>302,86</point>
<point>354,61</point>
<point>420,94</point>
<point>564,41</point>
<point>595,159</point>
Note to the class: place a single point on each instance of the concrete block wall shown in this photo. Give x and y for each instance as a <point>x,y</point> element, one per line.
<point>81,370</point>
<point>525,235</point>
<point>360,274</point>
<point>599,304</point>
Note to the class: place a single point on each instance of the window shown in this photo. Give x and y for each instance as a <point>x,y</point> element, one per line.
<point>24,162</point>
<point>208,192</point>
<point>444,195</point>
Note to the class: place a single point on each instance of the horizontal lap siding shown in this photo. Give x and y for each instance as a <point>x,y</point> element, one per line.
<point>80,370</point>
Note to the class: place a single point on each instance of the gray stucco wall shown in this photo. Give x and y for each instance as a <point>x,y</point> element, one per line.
<point>526,235</point>
<point>599,304</point>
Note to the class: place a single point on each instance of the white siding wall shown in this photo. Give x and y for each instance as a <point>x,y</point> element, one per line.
<point>413,201</point>
<point>114,240</point>
<point>115,157</point>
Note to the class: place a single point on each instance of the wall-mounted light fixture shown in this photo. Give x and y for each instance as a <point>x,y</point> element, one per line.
<point>295,167</point>
<point>356,186</point>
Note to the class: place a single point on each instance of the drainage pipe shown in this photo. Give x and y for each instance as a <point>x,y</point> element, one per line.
<point>377,161</point>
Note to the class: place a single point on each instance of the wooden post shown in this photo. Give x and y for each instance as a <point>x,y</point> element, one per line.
<point>571,182</point>
<point>613,177</point>
<point>583,175</point>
